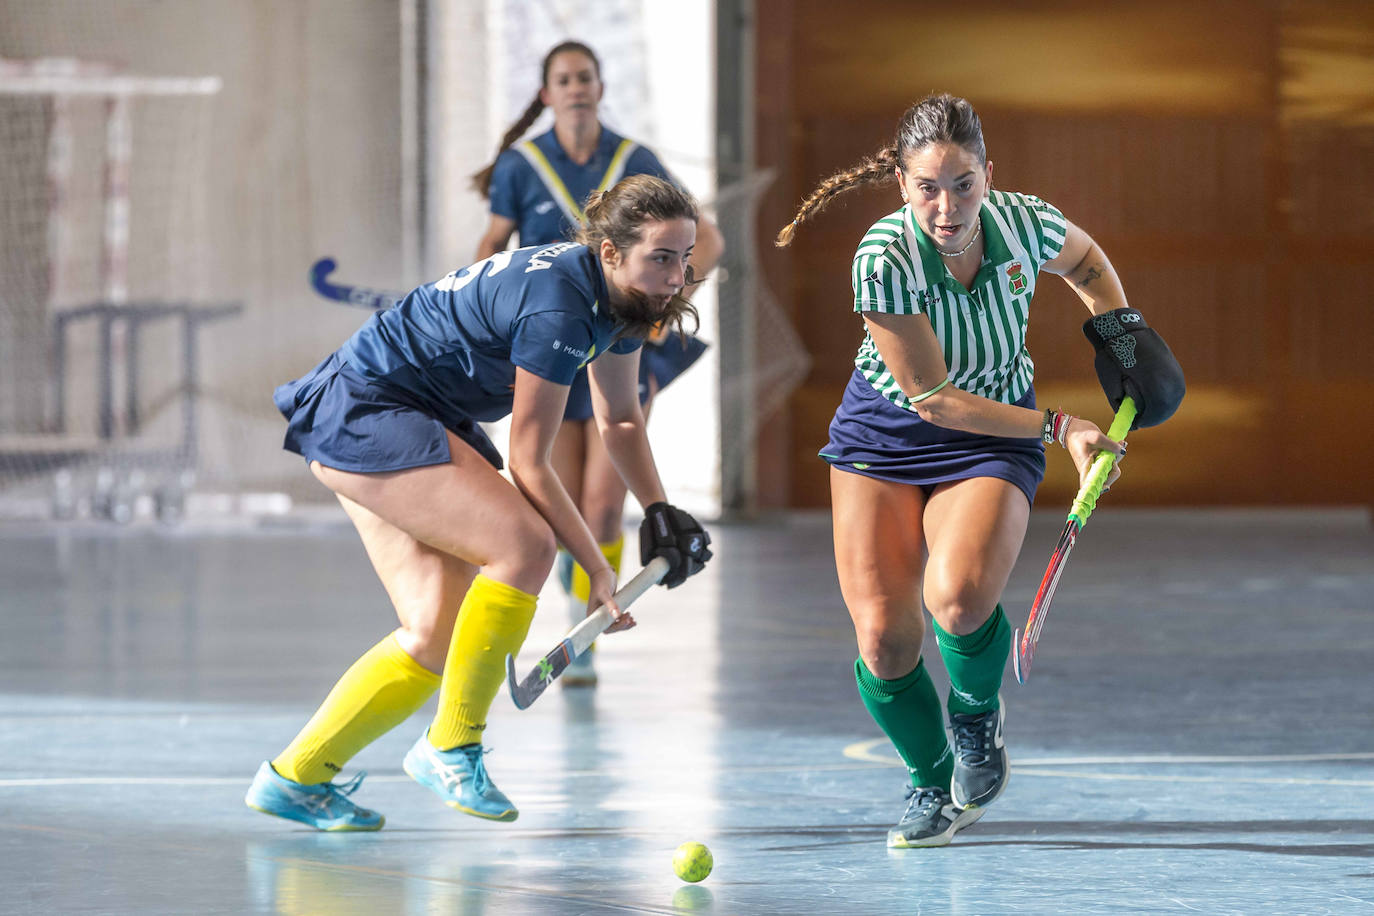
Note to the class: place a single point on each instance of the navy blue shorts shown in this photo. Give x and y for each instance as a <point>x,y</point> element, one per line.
<point>872,436</point>
<point>340,419</point>
<point>662,362</point>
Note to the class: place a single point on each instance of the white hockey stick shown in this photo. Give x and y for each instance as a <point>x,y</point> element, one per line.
<point>579,638</point>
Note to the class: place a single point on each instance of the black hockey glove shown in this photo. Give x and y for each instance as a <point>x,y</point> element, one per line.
<point>670,533</point>
<point>1132,359</point>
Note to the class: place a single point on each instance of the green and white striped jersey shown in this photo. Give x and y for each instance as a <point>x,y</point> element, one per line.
<point>898,270</point>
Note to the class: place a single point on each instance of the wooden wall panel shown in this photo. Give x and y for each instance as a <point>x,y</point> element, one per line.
<point>1223,154</point>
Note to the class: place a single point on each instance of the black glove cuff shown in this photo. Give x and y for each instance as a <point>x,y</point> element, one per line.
<point>1101,328</point>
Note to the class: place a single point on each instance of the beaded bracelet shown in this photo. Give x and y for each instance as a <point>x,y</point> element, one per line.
<point>1061,427</point>
<point>1055,427</point>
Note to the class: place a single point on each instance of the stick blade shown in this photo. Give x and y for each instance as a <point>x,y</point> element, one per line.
<point>524,693</point>
<point>516,695</point>
<point>1025,641</point>
<point>322,268</point>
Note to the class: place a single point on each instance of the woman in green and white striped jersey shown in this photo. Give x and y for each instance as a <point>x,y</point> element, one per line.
<point>937,448</point>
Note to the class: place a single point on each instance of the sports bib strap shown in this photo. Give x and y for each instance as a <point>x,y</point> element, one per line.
<point>559,191</point>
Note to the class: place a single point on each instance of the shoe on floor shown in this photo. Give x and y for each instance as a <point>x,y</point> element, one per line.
<point>324,806</point>
<point>931,819</point>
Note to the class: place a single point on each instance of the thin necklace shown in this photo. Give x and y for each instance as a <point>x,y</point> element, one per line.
<point>977,231</point>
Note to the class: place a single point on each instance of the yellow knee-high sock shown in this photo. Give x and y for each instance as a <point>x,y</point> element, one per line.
<point>492,622</point>
<point>376,694</point>
<point>581,583</point>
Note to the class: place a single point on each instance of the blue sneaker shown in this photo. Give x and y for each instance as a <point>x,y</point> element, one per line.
<point>460,778</point>
<point>324,806</point>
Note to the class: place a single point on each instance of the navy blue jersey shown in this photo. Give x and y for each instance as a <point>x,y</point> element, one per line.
<point>452,346</point>
<point>538,186</point>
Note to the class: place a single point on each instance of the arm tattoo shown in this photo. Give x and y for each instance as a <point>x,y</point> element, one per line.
<point>1092,274</point>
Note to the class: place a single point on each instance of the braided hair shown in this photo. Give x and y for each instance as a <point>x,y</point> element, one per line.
<point>482,180</point>
<point>934,119</point>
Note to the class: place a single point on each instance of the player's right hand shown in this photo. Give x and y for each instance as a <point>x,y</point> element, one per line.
<point>1084,440</point>
<point>602,592</point>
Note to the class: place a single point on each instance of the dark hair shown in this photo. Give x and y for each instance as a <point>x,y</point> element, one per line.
<point>482,180</point>
<point>618,215</point>
<point>934,119</point>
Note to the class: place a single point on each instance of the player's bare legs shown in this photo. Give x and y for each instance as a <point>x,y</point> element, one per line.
<point>569,446</point>
<point>600,494</point>
<point>497,529</point>
<point>454,619</point>
<point>603,492</point>
<point>879,552</point>
<point>425,585</point>
<point>975,528</point>
<point>880,545</point>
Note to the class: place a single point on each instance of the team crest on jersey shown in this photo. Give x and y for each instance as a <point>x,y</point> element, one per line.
<point>1016,281</point>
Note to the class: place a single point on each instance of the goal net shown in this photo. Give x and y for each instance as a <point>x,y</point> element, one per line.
<point>102,229</point>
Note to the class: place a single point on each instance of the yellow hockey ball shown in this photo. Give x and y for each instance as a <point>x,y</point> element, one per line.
<point>692,862</point>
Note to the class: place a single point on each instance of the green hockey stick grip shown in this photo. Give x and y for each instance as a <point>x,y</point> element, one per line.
<point>1086,500</point>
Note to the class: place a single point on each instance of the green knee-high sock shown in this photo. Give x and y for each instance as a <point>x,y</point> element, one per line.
<point>907,709</point>
<point>975,664</point>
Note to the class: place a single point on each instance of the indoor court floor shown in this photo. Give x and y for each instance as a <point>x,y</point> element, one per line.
<point>1197,735</point>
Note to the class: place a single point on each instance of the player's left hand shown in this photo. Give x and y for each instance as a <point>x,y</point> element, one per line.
<point>670,533</point>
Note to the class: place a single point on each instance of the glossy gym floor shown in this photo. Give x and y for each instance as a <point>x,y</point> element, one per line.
<point>1197,735</point>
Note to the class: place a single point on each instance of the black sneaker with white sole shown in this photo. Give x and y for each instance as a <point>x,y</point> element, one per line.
<point>931,819</point>
<point>980,758</point>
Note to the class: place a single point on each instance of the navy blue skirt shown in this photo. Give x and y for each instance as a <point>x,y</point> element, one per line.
<point>661,362</point>
<point>872,436</point>
<point>342,420</point>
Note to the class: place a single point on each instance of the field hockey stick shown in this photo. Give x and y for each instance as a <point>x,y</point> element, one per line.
<point>579,638</point>
<point>1083,506</point>
<point>362,296</point>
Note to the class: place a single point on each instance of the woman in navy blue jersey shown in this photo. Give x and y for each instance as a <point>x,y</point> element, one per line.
<point>536,188</point>
<point>389,422</point>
